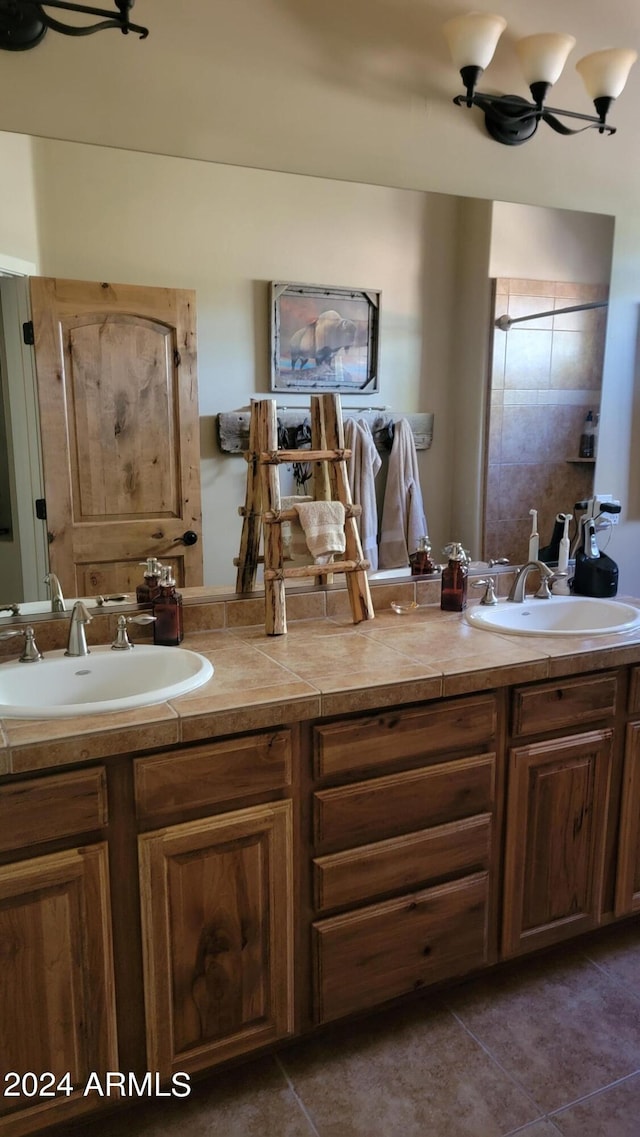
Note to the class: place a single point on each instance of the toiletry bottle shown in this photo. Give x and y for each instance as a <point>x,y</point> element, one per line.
<point>587,438</point>
<point>167,609</point>
<point>453,596</point>
<point>146,591</point>
<point>420,561</point>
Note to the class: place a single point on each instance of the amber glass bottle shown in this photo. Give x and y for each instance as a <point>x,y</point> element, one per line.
<point>453,596</point>
<point>167,609</point>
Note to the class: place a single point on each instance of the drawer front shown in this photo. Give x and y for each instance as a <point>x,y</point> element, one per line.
<point>567,703</point>
<point>52,807</point>
<point>402,803</point>
<point>368,743</point>
<point>205,775</point>
<point>386,950</point>
<point>402,863</point>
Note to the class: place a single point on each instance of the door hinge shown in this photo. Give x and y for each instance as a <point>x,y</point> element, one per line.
<point>41,508</point>
<point>27,333</point>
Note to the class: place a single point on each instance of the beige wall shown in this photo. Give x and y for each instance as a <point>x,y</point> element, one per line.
<point>18,215</point>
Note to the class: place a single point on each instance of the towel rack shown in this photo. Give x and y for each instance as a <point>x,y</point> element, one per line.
<point>262,510</point>
<point>233,426</point>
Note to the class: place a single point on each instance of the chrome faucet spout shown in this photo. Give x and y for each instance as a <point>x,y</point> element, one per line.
<point>55,588</point>
<point>517,594</point>
<point>77,642</point>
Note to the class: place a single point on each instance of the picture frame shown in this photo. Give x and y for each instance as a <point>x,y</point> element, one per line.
<point>324,338</point>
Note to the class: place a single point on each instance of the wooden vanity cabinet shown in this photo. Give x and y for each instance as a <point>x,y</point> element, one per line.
<point>217,897</point>
<point>557,806</point>
<point>57,1007</point>
<point>627,898</point>
<point>404,839</point>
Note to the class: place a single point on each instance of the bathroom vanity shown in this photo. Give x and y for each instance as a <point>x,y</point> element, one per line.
<point>185,884</point>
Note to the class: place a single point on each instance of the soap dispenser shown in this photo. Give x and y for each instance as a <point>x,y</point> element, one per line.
<point>167,609</point>
<point>146,591</point>
<point>420,561</point>
<point>453,595</point>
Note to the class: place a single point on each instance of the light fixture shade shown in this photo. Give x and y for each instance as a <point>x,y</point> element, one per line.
<point>604,73</point>
<point>473,38</point>
<point>542,57</point>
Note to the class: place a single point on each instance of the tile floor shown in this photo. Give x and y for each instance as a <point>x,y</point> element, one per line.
<point>550,1046</point>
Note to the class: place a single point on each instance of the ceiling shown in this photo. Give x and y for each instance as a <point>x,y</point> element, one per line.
<point>351,89</point>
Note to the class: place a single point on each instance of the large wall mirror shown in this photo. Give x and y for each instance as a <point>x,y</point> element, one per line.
<point>104,214</point>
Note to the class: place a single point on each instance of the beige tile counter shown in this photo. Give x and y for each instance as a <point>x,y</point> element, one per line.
<point>324,666</point>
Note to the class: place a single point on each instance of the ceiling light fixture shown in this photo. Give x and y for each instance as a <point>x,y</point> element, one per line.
<point>24,24</point>
<point>511,119</point>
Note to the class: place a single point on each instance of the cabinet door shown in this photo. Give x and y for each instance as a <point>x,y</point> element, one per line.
<point>557,802</point>
<point>217,917</point>
<point>628,879</point>
<point>57,1010</point>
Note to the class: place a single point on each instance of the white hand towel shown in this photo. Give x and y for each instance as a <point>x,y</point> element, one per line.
<point>362,467</point>
<point>323,524</point>
<point>403,519</point>
<point>293,538</point>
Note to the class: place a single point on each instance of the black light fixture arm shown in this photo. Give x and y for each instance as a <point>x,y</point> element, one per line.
<point>512,120</point>
<point>23,23</point>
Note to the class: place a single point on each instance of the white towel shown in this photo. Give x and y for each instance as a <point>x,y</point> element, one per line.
<point>293,538</point>
<point>362,467</point>
<point>403,519</point>
<point>323,524</point>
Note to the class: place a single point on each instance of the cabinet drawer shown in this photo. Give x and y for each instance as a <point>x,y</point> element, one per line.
<point>205,775</point>
<point>367,743</point>
<point>401,863</point>
<point>570,702</point>
<point>364,958</point>
<point>56,806</point>
<point>402,803</point>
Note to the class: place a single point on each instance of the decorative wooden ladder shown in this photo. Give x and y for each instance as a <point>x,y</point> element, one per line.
<point>263,514</point>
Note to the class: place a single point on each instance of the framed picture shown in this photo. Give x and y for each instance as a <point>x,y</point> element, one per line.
<point>323,338</point>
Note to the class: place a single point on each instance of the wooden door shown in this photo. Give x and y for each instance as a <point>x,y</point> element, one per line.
<point>217,936</point>
<point>117,392</point>
<point>628,877</point>
<point>57,1010</point>
<point>556,813</point>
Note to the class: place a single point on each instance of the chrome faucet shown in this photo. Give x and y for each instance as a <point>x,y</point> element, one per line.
<point>55,588</point>
<point>77,642</point>
<point>517,594</point>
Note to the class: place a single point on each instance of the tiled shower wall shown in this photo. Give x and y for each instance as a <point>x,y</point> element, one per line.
<point>545,375</point>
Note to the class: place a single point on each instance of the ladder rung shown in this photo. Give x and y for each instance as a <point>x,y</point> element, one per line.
<point>316,570</point>
<point>278,457</point>
<point>275,516</point>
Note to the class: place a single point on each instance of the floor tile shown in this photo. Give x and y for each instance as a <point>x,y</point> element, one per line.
<point>538,1129</point>
<point>558,1024</point>
<point>613,1113</point>
<point>617,952</point>
<point>253,1100</point>
<point>413,1071</point>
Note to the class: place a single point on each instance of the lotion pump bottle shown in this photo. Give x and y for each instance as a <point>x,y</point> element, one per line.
<point>453,596</point>
<point>167,609</point>
<point>146,591</point>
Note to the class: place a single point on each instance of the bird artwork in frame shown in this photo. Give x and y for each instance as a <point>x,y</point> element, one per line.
<point>324,338</point>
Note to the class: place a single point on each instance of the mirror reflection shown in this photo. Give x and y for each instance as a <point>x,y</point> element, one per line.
<point>227,232</point>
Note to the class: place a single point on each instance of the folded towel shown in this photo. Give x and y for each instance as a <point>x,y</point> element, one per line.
<point>293,539</point>
<point>323,524</point>
<point>362,467</point>
<point>403,519</point>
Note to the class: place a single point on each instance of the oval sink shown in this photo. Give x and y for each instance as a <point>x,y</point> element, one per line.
<point>60,685</point>
<point>559,616</point>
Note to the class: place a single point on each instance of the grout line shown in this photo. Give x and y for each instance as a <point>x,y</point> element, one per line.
<point>298,1099</point>
<point>512,1078</point>
<point>594,1093</point>
<point>626,987</point>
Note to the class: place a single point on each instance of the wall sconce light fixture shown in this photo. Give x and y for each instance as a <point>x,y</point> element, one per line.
<point>511,119</point>
<point>24,24</point>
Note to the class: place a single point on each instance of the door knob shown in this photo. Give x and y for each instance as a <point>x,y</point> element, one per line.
<point>187,538</point>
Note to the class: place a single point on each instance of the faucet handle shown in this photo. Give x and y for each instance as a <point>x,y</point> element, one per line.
<point>489,584</point>
<point>122,641</point>
<point>544,592</point>
<point>31,653</point>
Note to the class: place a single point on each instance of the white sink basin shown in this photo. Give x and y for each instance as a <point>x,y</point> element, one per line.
<point>62,686</point>
<point>559,616</point>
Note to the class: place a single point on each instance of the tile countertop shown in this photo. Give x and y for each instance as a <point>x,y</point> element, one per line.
<point>321,667</point>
